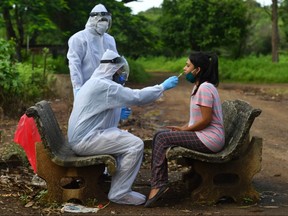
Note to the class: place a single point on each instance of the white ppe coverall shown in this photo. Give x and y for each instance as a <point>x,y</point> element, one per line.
<point>86,48</point>
<point>93,127</point>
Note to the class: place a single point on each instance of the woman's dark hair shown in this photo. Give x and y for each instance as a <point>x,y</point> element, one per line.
<point>208,62</point>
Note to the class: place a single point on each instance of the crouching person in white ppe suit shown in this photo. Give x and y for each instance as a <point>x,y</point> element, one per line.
<point>93,124</point>
<point>87,46</point>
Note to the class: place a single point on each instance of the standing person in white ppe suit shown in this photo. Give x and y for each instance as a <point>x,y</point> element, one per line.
<point>87,46</point>
<point>93,124</point>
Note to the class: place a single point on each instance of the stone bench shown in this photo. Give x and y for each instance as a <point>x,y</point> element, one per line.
<point>68,176</point>
<point>229,173</point>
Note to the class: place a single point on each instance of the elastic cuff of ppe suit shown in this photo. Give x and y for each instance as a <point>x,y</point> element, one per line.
<point>163,87</point>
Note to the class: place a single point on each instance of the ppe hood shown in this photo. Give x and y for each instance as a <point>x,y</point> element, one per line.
<point>98,13</point>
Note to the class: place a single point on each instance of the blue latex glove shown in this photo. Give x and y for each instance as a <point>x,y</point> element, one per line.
<point>125,113</point>
<point>75,91</point>
<point>169,83</point>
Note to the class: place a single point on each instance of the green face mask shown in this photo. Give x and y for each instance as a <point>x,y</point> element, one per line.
<point>190,77</point>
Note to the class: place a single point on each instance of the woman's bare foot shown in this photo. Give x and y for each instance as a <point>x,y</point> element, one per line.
<point>153,192</point>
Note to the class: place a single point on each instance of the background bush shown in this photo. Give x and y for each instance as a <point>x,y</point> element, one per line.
<point>137,72</point>
<point>10,85</point>
<point>21,85</point>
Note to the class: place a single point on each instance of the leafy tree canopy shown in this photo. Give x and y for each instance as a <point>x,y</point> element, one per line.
<point>202,24</point>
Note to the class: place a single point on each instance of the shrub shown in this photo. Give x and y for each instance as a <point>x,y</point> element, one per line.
<point>10,84</point>
<point>137,72</point>
<point>20,84</point>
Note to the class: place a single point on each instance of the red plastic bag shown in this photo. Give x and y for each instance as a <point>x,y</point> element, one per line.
<point>27,135</point>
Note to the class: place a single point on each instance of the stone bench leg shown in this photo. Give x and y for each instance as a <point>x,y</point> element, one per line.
<point>232,179</point>
<point>53,174</point>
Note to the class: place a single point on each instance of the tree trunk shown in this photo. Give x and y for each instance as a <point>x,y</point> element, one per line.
<point>275,32</point>
<point>20,41</point>
<point>10,32</point>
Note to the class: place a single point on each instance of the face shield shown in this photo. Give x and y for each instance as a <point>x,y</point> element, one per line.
<point>122,74</point>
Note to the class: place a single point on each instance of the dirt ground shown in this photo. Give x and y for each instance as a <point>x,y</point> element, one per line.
<point>18,196</point>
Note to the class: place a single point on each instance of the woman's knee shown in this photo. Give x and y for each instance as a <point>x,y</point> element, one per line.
<point>160,138</point>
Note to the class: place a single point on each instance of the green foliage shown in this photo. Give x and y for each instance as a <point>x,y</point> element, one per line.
<point>258,41</point>
<point>162,64</point>
<point>250,69</point>
<point>151,24</point>
<point>29,20</point>
<point>137,72</point>
<point>254,69</point>
<point>7,66</point>
<point>72,17</point>
<point>133,33</point>
<point>37,83</point>
<point>173,28</point>
<point>59,64</point>
<point>9,77</point>
<point>20,84</point>
<point>56,65</point>
<point>283,14</point>
<point>203,25</point>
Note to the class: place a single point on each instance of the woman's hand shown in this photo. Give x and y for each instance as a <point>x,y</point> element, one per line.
<point>174,128</point>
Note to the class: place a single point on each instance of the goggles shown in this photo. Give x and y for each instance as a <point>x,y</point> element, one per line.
<point>92,14</point>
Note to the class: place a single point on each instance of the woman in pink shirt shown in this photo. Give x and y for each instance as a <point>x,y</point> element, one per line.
<point>205,130</point>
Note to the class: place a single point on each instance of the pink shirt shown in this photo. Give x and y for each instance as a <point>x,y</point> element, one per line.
<point>212,136</point>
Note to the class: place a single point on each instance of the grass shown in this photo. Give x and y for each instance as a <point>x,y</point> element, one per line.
<point>162,64</point>
<point>254,69</point>
<point>251,69</point>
